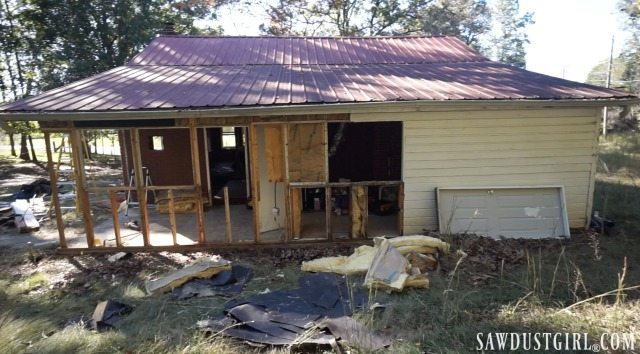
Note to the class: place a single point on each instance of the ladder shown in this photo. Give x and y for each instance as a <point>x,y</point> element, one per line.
<point>132,179</point>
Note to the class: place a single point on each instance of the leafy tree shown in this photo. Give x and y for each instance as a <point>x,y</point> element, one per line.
<point>334,17</point>
<point>631,53</point>
<point>48,43</point>
<point>468,20</point>
<point>510,38</point>
<point>72,39</point>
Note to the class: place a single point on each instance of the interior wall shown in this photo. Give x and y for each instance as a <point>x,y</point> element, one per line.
<point>271,193</point>
<point>171,166</point>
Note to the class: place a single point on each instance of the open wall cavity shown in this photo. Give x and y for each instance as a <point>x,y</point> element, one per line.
<point>344,179</point>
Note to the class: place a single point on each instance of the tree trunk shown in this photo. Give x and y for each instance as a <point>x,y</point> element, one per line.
<point>12,142</point>
<point>33,151</point>
<point>24,151</point>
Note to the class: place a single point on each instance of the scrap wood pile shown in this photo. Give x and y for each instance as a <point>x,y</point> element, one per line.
<point>391,264</point>
<point>28,207</point>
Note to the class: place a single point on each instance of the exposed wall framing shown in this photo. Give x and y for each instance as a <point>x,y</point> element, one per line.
<point>296,157</point>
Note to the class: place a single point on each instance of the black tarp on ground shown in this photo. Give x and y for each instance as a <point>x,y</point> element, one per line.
<point>227,283</point>
<point>296,316</point>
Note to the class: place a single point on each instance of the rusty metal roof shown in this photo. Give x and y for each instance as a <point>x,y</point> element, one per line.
<point>218,72</point>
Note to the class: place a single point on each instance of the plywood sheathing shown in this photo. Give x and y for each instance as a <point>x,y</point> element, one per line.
<point>274,152</point>
<point>307,152</point>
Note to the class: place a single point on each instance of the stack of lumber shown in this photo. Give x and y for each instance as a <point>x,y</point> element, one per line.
<point>393,263</point>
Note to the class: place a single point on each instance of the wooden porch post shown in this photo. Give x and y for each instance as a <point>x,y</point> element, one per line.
<point>141,191</point>
<point>197,180</point>
<point>55,198</point>
<point>255,183</point>
<point>115,217</point>
<point>81,184</point>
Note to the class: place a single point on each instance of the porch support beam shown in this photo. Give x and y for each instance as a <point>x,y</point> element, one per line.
<point>81,185</point>
<point>55,197</point>
<point>141,190</point>
<point>255,183</point>
<point>197,180</point>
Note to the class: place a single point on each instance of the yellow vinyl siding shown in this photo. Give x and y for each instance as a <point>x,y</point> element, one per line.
<point>528,147</point>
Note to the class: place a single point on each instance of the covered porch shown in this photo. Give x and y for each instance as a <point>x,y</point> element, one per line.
<point>299,187</point>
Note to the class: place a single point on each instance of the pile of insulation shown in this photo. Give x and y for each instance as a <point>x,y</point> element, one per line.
<point>391,264</point>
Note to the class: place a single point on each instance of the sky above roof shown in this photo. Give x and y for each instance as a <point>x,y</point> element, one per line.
<point>568,39</point>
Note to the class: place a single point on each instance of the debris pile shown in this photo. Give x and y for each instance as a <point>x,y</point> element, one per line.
<point>393,263</point>
<point>28,208</point>
<point>107,313</point>
<point>226,283</point>
<point>317,311</point>
<point>201,269</point>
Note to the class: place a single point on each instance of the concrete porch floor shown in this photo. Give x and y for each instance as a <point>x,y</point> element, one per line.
<point>313,228</point>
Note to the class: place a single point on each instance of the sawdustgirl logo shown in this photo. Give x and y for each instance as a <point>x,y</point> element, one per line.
<point>545,342</point>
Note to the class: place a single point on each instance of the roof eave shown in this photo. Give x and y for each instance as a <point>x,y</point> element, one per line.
<point>326,108</point>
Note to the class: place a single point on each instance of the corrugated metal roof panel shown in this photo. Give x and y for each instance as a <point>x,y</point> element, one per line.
<point>193,50</point>
<point>159,87</point>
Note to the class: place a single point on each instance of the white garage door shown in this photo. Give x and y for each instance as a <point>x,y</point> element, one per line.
<point>532,212</point>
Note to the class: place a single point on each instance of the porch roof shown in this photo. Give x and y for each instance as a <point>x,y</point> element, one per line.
<point>183,72</point>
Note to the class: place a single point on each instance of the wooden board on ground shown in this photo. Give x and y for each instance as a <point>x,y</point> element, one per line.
<point>200,269</point>
<point>24,219</point>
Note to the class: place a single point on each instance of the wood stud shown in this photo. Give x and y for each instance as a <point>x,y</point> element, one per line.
<point>55,198</point>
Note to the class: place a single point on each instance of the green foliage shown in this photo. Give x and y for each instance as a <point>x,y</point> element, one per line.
<point>87,37</point>
<point>49,43</point>
<point>631,52</point>
<point>510,38</point>
<point>334,17</point>
<point>470,20</point>
<point>467,19</point>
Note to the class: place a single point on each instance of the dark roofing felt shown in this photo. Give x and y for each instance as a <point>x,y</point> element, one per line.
<point>217,72</point>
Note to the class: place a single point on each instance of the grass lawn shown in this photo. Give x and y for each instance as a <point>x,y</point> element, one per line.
<point>584,285</point>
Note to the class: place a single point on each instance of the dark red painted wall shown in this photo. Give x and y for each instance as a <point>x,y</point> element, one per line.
<point>171,166</point>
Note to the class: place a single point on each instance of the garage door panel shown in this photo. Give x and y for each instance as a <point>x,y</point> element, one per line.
<point>471,213</point>
<point>470,225</point>
<point>544,200</point>
<point>515,224</point>
<point>511,212</point>
<point>527,212</point>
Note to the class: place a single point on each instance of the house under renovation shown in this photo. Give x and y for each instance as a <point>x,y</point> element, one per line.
<point>228,140</point>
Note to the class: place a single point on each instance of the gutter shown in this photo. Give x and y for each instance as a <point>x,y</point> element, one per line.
<point>307,109</point>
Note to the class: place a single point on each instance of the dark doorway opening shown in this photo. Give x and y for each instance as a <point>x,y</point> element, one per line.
<point>365,151</point>
<point>228,163</point>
